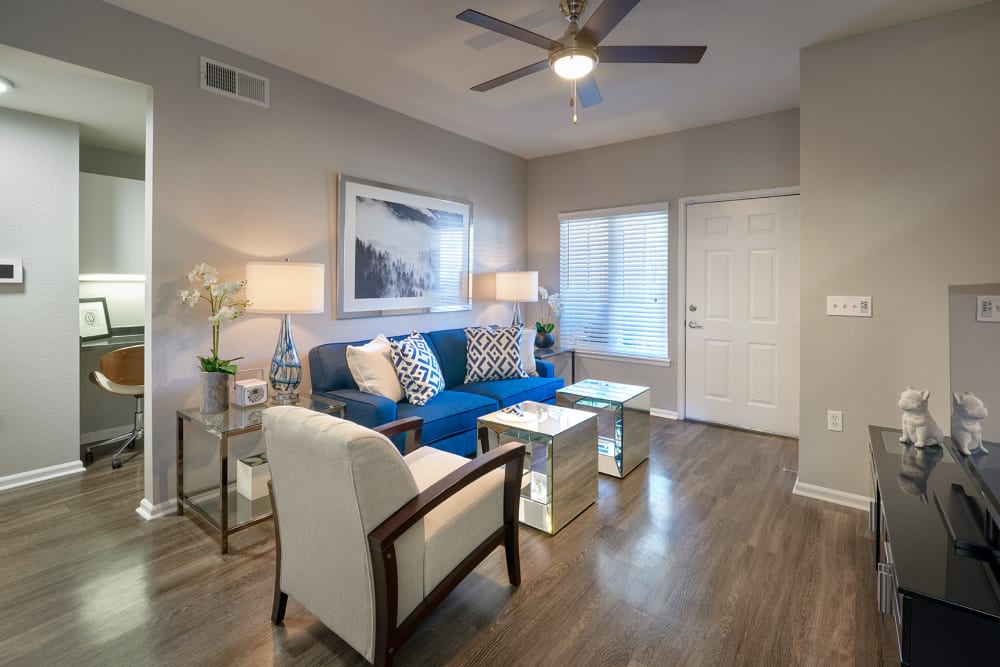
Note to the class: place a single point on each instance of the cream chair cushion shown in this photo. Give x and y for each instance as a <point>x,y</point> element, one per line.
<point>460,524</point>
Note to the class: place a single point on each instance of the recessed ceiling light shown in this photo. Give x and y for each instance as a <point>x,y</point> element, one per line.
<point>5,85</point>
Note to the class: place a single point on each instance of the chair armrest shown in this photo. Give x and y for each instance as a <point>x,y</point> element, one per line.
<point>545,369</point>
<point>381,540</point>
<point>361,408</point>
<point>412,426</point>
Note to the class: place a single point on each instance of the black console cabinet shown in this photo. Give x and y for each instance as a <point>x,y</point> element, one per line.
<point>936,573</point>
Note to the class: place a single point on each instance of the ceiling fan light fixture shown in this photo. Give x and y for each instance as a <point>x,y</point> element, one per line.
<point>574,65</point>
<point>5,85</point>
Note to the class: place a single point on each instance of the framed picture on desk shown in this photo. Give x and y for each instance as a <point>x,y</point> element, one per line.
<point>94,320</point>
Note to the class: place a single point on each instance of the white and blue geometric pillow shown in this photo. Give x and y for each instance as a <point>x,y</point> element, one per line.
<point>494,354</point>
<point>417,368</point>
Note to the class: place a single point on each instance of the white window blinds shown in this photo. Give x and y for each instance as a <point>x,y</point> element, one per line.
<point>613,281</point>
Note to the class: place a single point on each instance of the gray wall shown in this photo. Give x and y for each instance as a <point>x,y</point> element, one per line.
<point>750,154</point>
<point>900,171</point>
<point>96,160</point>
<point>233,182</point>
<point>975,352</point>
<point>39,319</point>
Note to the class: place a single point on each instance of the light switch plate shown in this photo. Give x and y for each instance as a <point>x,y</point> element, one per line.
<point>849,306</point>
<point>11,271</point>
<point>988,308</point>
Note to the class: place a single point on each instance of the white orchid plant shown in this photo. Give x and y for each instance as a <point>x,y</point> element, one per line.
<point>227,304</point>
<point>552,309</point>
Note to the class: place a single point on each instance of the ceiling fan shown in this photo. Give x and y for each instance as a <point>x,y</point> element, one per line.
<point>574,55</point>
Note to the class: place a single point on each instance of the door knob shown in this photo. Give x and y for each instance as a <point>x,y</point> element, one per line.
<point>693,325</point>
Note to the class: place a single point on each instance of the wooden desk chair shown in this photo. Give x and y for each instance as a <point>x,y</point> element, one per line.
<point>121,373</point>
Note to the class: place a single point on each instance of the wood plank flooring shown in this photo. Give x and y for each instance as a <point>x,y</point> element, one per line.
<point>702,556</point>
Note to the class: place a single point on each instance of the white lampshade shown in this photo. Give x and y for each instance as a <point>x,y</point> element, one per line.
<point>286,288</point>
<point>517,286</point>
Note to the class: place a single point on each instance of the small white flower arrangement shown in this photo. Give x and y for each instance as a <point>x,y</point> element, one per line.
<point>227,304</point>
<point>552,309</point>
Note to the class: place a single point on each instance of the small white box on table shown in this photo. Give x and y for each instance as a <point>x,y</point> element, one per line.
<point>252,476</point>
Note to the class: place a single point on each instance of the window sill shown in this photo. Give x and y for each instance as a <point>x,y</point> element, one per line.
<point>644,361</point>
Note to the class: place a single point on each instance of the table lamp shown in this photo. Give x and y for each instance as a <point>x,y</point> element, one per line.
<point>517,286</point>
<point>285,288</point>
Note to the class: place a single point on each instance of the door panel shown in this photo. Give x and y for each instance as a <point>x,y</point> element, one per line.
<point>742,350</point>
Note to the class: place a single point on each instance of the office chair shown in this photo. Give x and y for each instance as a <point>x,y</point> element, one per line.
<point>121,373</point>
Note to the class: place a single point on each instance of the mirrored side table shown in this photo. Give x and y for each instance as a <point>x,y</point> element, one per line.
<point>622,421</point>
<point>219,505</point>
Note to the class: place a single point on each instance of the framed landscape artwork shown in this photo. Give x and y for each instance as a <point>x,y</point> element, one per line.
<point>401,251</point>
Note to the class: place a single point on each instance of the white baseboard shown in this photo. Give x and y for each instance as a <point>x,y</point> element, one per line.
<point>834,496</point>
<point>40,475</point>
<point>666,414</point>
<point>149,511</point>
<point>103,434</point>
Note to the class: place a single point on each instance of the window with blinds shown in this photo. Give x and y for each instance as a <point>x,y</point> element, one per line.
<point>613,281</point>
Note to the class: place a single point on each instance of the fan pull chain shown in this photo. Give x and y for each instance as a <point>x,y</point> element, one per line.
<point>572,98</point>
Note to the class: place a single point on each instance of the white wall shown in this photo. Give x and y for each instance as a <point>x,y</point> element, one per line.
<point>750,154</point>
<point>900,199</point>
<point>39,319</point>
<point>233,182</point>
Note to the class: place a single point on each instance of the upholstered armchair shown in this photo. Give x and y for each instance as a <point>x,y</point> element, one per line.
<point>371,541</point>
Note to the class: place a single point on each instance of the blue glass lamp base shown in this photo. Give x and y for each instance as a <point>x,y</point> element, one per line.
<point>286,369</point>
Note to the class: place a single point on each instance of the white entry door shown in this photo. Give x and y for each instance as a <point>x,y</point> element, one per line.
<point>742,313</point>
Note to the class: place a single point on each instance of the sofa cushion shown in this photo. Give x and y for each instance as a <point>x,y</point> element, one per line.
<point>509,392</point>
<point>527,348</point>
<point>450,347</point>
<point>448,413</point>
<point>493,354</point>
<point>417,368</point>
<point>372,368</point>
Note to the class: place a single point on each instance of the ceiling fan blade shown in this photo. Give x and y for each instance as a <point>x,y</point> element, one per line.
<point>587,91</point>
<point>606,17</point>
<point>652,54</point>
<point>508,29</point>
<point>512,76</point>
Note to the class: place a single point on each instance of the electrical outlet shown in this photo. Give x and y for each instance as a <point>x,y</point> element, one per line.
<point>834,420</point>
<point>849,306</point>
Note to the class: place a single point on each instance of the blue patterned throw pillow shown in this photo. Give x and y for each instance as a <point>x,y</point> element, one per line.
<point>494,354</point>
<point>417,368</point>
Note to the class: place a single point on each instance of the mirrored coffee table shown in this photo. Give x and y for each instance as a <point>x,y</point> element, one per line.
<point>559,480</point>
<point>220,505</point>
<point>623,421</point>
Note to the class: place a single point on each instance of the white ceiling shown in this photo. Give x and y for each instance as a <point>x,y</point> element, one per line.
<point>415,57</point>
<point>111,111</point>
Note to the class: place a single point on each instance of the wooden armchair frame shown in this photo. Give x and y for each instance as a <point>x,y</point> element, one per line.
<point>389,635</point>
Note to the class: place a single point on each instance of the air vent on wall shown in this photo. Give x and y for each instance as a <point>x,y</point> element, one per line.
<point>234,82</point>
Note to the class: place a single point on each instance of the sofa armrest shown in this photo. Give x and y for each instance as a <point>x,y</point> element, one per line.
<point>411,426</point>
<point>546,369</point>
<point>361,408</point>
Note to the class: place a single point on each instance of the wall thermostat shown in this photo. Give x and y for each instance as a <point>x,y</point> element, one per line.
<point>249,392</point>
<point>11,271</point>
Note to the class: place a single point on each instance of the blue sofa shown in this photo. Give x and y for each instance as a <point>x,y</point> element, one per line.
<point>450,417</point>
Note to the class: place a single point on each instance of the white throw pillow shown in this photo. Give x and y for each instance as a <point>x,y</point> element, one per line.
<point>373,370</point>
<point>527,349</point>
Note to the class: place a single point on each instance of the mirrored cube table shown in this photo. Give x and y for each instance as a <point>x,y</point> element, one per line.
<point>220,505</point>
<point>623,421</point>
<point>560,460</point>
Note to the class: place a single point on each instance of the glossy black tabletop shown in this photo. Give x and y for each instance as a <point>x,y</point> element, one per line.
<point>916,487</point>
